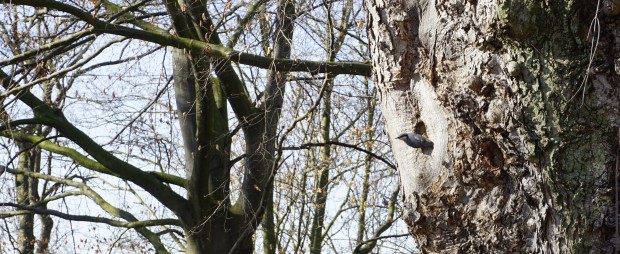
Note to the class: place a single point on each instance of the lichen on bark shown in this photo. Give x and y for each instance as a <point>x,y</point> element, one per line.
<point>524,160</point>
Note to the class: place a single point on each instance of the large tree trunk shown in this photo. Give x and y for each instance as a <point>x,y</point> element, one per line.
<point>523,158</point>
<point>217,224</point>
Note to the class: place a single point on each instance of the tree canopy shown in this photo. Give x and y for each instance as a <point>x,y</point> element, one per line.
<point>186,126</point>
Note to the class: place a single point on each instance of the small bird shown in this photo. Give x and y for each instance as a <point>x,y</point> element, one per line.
<point>415,140</point>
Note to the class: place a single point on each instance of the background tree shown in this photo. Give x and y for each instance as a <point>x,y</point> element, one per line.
<point>201,186</point>
<point>520,99</point>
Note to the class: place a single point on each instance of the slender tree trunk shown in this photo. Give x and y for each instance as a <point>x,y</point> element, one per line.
<point>370,131</point>
<point>46,233</point>
<point>270,239</point>
<point>276,85</point>
<point>524,128</point>
<point>25,231</point>
<point>305,209</point>
<point>322,173</point>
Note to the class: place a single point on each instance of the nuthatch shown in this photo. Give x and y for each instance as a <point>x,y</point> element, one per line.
<point>415,140</point>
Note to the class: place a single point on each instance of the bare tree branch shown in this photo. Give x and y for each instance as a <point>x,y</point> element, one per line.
<point>308,145</point>
<point>212,50</point>
<point>116,223</point>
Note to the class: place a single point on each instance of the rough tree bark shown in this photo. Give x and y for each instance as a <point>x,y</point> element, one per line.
<point>525,125</point>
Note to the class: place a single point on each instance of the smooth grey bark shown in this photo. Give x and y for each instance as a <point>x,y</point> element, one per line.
<point>220,226</point>
<point>274,98</point>
<point>206,168</point>
<point>520,163</point>
<point>185,97</point>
